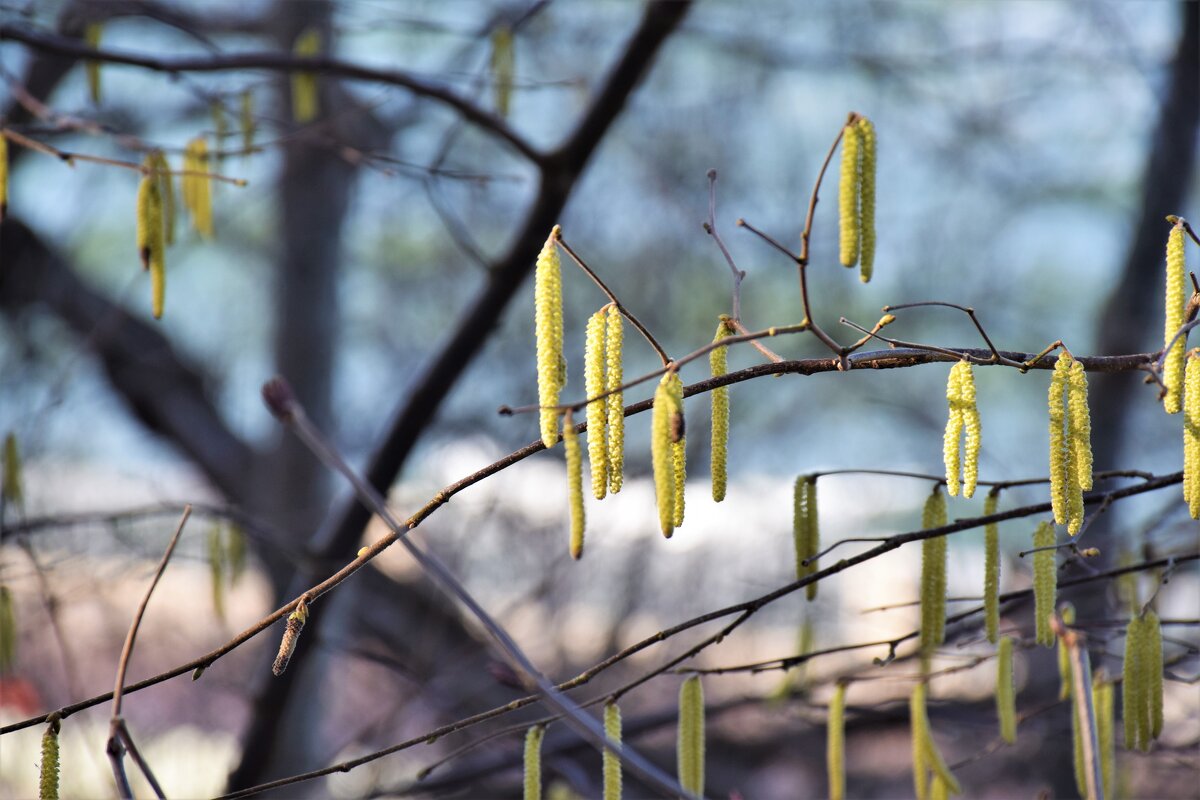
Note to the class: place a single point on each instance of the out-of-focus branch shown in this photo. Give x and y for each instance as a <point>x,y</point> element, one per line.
<point>162,389</point>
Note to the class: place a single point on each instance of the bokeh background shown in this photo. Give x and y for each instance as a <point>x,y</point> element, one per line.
<point>1028,152</point>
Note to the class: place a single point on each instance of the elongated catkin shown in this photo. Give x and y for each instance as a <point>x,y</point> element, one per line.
<point>533,762</point>
<point>1045,583</point>
<point>849,189</point>
<point>678,449</point>
<point>1065,681</point>
<point>614,377</point>
<point>1135,693</point>
<point>48,779</point>
<point>13,485</point>
<point>612,763</point>
<point>151,240</point>
<point>952,438</point>
<point>1175,305</point>
<point>1191,434</point>
<point>933,575</point>
<point>835,745</point>
<point>197,187</point>
<point>718,361</point>
<point>291,635</point>
<point>3,177</point>
<point>92,33</point>
<point>866,132</point>
<point>690,744</point>
<point>991,569</point>
<point>1006,692</point>
<point>594,353</point>
<point>662,454</point>
<point>1059,477</point>
<point>246,121</point>
<point>304,84</point>
<point>574,484</point>
<point>1152,649</point>
<point>1102,701</point>
<point>166,188</point>
<point>8,630</point>
<point>548,325</point>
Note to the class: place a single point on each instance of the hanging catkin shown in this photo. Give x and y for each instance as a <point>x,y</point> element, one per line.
<point>48,782</point>
<point>13,485</point>
<point>1154,672</point>
<point>533,762</point>
<point>927,758</point>
<point>1142,685</point>
<point>197,187</point>
<point>718,361</point>
<point>1080,430</point>
<point>166,188</point>
<point>151,240</point>
<point>1175,304</point>
<point>835,747</point>
<point>1102,702</point>
<point>92,33</point>
<point>3,176</point>
<point>574,484</point>
<point>614,376</point>
<point>247,121</point>
<point>1045,582</point>
<point>678,450</point>
<point>291,635</point>
<point>849,189</point>
<point>1070,442</point>
<point>8,630</point>
<point>1191,434</point>
<point>304,84</point>
<point>963,416</point>
<point>662,456</point>
<point>548,324</point>
<point>933,575</point>
<point>594,354</point>
<point>690,743</point>
<point>991,568</point>
<point>1065,681</point>
<point>867,200</point>
<point>612,762</point>
<point>1006,692</point>
<point>806,531</point>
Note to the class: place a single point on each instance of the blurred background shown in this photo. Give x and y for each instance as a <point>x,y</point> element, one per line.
<point>379,257</point>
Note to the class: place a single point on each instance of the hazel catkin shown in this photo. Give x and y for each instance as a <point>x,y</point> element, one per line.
<point>933,575</point>
<point>594,353</point>
<point>662,454</point>
<point>574,484</point>
<point>548,324</point>
<point>611,761</point>
<point>1175,306</point>
<point>835,745</point>
<point>849,188</point>
<point>866,131</point>
<point>533,762</point>
<point>291,635</point>
<point>48,779</point>
<point>151,242</point>
<point>614,377</point>
<point>718,360</point>
<point>304,84</point>
<point>1006,703</point>
<point>690,742</point>
<point>1045,582</point>
<point>1191,434</point>
<point>991,568</point>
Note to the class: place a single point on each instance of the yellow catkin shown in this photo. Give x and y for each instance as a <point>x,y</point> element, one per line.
<point>503,67</point>
<point>1045,583</point>
<point>678,449</point>
<point>806,530</point>
<point>8,630</point>
<point>1133,686</point>
<point>1175,304</point>
<point>662,456</point>
<point>991,569</point>
<point>1191,435</point>
<point>1060,480</point>
<point>548,324</point>
<point>933,575</point>
<point>197,188</point>
<point>13,485</point>
<point>952,438</point>
<point>3,177</point>
<point>594,352</point>
<point>614,376</point>
<point>849,187</point>
<point>151,240</point>
<point>919,724</point>
<point>92,33</point>
<point>690,744</point>
<point>972,431</point>
<point>835,747</point>
<point>1102,702</point>
<point>291,635</point>
<point>1006,692</point>
<point>574,484</point>
<point>1077,764</point>
<point>612,763</point>
<point>938,790</point>
<point>813,537</point>
<point>1067,612</point>
<point>867,200</point>
<point>48,782</point>
<point>1152,648</point>
<point>248,125</point>
<point>1080,428</point>
<point>166,189</point>
<point>718,361</point>
<point>304,84</point>
<point>533,762</point>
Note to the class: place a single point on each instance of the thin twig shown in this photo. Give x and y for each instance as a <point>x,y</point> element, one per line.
<point>970,312</point>
<point>1085,712</point>
<point>710,227</point>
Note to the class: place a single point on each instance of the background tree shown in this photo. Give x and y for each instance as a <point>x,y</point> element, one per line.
<point>362,279</point>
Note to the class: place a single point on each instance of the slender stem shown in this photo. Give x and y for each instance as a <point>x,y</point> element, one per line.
<point>710,227</point>
<point>1085,713</point>
<point>970,312</point>
<point>649,337</point>
<point>755,343</point>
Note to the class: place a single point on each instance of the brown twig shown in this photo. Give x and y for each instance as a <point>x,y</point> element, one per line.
<point>1085,712</point>
<point>710,227</point>
<point>970,312</point>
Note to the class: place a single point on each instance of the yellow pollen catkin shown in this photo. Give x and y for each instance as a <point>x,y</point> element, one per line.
<point>678,450</point>
<point>963,416</point>
<point>151,240</point>
<point>1059,479</point>
<point>1102,702</point>
<point>548,324</point>
<point>503,67</point>
<point>867,200</point>
<point>13,485</point>
<point>1191,434</point>
<point>1133,687</point>
<point>612,763</point>
<point>991,569</point>
<point>690,744</point>
<point>1006,693</point>
<point>197,187</point>
<point>291,635</point>
<point>614,376</point>
<point>806,530</point>
<point>1176,304</point>
<point>718,361</point>
<point>835,747</point>
<point>248,125</point>
<point>1152,648</point>
<point>662,456</point>
<point>927,758</point>
<point>1080,428</point>
<point>1065,682</point>
<point>933,575</point>
<point>533,762</point>
<point>594,353</point>
<point>166,188</point>
<point>1045,582</point>
<point>48,782</point>
<point>92,33</point>
<point>8,630</point>
<point>574,484</point>
<point>304,84</point>
<point>849,187</point>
